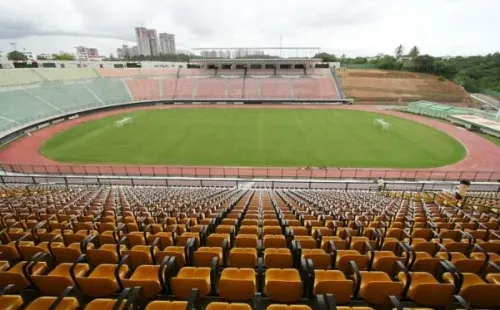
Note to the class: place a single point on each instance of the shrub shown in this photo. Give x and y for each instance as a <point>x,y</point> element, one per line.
<point>441,78</point>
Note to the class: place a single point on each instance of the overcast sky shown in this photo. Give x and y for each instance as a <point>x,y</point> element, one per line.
<point>351,27</point>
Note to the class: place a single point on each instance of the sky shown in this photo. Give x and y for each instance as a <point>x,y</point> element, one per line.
<point>351,27</point>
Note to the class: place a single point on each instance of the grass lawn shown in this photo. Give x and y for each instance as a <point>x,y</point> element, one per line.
<point>255,137</point>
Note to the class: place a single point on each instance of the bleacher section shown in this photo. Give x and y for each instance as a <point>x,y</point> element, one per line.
<point>65,97</point>
<point>20,106</point>
<point>54,91</point>
<point>66,74</point>
<point>145,89</point>
<point>10,77</point>
<point>244,249</point>
<point>110,91</point>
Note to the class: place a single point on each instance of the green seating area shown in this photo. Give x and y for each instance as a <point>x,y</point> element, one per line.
<point>66,97</point>
<point>54,74</point>
<point>20,106</point>
<point>110,91</point>
<point>443,111</point>
<point>10,77</point>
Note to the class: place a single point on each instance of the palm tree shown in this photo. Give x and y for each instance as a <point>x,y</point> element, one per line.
<point>399,51</point>
<point>414,52</point>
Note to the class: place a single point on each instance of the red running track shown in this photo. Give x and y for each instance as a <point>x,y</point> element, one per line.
<point>482,161</point>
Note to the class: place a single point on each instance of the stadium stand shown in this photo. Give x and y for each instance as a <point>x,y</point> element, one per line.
<point>20,106</point>
<point>144,89</point>
<point>314,88</point>
<point>110,91</point>
<point>235,88</point>
<point>211,88</point>
<point>66,74</point>
<point>276,88</point>
<point>66,97</point>
<point>184,87</point>
<point>54,91</point>
<point>135,72</point>
<point>280,249</point>
<point>10,77</point>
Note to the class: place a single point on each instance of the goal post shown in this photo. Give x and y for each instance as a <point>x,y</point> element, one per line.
<point>124,121</point>
<point>380,122</point>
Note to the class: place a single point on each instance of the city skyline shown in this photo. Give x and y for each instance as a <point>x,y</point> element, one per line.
<point>364,29</point>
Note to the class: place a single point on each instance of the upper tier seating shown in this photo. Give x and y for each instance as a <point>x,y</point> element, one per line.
<point>53,74</point>
<point>18,77</point>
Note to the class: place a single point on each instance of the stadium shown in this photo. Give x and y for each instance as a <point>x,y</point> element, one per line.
<point>282,183</point>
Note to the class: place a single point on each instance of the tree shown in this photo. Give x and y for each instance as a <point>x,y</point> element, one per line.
<point>111,56</point>
<point>16,56</point>
<point>399,51</point>
<point>63,56</point>
<point>41,57</point>
<point>326,57</point>
<point>414,52</point>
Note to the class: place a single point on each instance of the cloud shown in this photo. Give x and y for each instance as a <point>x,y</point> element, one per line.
<point>361,27</point>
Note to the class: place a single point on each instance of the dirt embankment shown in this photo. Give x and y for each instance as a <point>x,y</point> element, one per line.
<point>399,87</point>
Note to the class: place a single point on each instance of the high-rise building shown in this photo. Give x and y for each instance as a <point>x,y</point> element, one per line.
<point>167,43</point>
<point>85,54</point>
<point>125,51</point>
<point>147,41</point>
<point>153,42</point>
<point>142,36</point>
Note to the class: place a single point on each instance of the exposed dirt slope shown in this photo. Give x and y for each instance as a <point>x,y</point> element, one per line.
<point>396,86</point>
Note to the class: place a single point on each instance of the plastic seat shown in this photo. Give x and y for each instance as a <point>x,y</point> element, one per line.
<point>166,239</point>
<point>58,279</point>
<point>11,302</point>
<point>462,262</point>
<point>493,278</point>
<point>278,258</point>
<point>476,291</point>
<point>300,231</point>
<point>288,307</point>
<point>27,251</point>
<point>283,285</point>
<point>70,253</point>
<point>274,241</point>
<point>44,303</point>
<point>204,256</point>
<point>243,257</point>
<point>237,284</point>
<point>424,262</point>
<point>15,275</point>
<point>227,306</point>
<point>167,305</point>
<point>306,242</point>
<point>246,241</point>
<point>425,290</point>
<point>142,255</point>
<point>345,256</point>
<point>333,282</point>
<point>377,286</point>
<point>9,252</point>
<point>189,278</point>
<point>179,252</point>
<point>218,240</point>
<point>106,254</point>
<point>320,259</point>
<point>385,261</point>
<point>103,304</point>
<point>101,281</point>
<point>145,276</point>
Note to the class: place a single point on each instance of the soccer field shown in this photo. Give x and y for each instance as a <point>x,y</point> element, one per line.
<point>255,137</point>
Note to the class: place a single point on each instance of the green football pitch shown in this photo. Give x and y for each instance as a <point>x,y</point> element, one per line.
<point>255,137</point>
